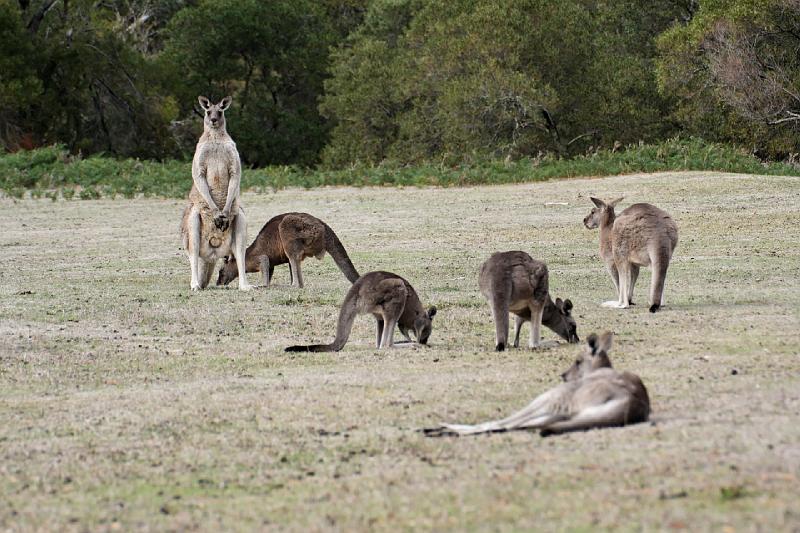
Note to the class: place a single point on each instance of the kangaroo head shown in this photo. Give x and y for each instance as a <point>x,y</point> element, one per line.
<point>601,214</point>
<point>228,272</point>
<point>594,356</point>
<point>423,325</point>
<point>214,113</point>
<point>558,317</point>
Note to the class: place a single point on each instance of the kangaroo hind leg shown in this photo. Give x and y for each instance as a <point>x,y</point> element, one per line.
<point>193,248</point>
<point>518,321</point>
<point>206,271</point>
<point>240,246</point>
<point>266,269</point>
<point>625,273</point>
<point>537,310</point>
<point>608,414</point>
<point>499,303</point>
<point>634,277</point>
<point>614,274</point>
<point>660,265</point>
<point>379,331</point>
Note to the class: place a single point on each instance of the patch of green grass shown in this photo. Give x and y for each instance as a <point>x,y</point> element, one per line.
<point>48,171</point>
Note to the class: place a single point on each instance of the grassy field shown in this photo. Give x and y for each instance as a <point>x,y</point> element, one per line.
<point>126,402</point>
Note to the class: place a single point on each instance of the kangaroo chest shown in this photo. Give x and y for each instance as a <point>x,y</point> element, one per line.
<point>216,158</point>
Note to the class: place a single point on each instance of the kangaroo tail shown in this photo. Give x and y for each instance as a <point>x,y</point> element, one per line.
<point>334,247</point>
<point>347,316</point>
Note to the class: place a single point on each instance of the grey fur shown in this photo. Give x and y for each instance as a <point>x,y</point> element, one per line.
<point>642,235</point>
<point>391,300</point>
<point>213,223</point>
<point>515,282</point>
<point>593,395</point>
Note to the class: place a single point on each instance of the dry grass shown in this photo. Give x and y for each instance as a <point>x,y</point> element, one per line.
<point>126,401</point>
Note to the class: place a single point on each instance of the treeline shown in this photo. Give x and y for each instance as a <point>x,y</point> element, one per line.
<point>361,82</point>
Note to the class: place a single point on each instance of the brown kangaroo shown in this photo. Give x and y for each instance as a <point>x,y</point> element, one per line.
<point>593,395</point>
<point>642,235</point>
<point>392,300</point>
<point>515,282</point>
<point>290,238</point>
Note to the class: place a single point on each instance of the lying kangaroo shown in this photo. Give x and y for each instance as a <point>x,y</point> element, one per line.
<point>515,282</point>
<point>392,300</point>
<point>642,235</point>
<point>290,238</point>
<point>208,232</point>
<point>593,395</point>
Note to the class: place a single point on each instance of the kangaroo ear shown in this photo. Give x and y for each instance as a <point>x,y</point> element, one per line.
<point>567,306</point>
<point>432,311</point>
<point>591,340</point>
<point>598,202</point>
<point>205,103</point>
<point>605,341</point>
<point>615,202</point>
<point>559,304</point>
<point>225,103</point>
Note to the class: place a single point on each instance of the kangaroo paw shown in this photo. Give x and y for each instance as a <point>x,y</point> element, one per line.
<point>500,347</point>
<point>654,308</point>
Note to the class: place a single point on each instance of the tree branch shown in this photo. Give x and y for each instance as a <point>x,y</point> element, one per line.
<point>36,20</point>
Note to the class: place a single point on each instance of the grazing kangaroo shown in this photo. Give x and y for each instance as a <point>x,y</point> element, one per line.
<point>290,238</point>
<point>213,224</point>
<point>392,300</point>
<point>642,235</point>
<point>515,282</point>
<point>593,395</point>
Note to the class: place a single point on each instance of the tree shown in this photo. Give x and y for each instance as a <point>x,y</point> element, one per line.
<point>459,79</point>
<point>271,57</point>
<point>92,90</point>
<point>736,71</point>
<point>19,84</point>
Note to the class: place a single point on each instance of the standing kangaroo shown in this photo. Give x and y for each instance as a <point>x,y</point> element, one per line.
<point>642,235</point>
<point>290,238</point>
<point>593,395</point>
<point>515,282</point>
<point>392,300</point>
<point>214,219</point>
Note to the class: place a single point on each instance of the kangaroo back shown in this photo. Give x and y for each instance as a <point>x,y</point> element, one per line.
<point>347,315</point>
<point>335,248</point>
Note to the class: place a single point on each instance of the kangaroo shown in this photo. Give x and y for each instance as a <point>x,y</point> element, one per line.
<point>392,300</point>
<point>515,282</point>
<point>593,395</point>
<point>642,235</point>
<point>213,223</point>
<point>290,238</point>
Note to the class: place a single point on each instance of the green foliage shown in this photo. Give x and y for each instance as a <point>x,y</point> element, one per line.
<point>50,171</point>
<point>387,83</point>
<point>734,71</point>
<point>462,80</point>
<point>19,85</point>
<point>271,57</point>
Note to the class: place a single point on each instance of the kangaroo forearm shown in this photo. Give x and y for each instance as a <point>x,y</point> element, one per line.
<point>201,185</point>
<point>235,180</point>
<point>233,194</point>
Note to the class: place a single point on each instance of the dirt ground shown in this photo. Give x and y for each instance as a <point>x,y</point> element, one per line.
<point>126,402</point>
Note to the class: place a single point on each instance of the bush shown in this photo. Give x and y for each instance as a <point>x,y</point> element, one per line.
<point>48,171</point>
